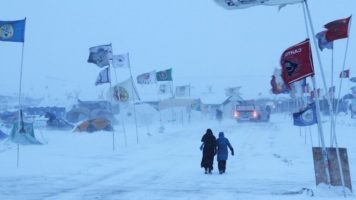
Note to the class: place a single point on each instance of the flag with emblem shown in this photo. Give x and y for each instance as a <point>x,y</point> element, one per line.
<point>345,74</point>
<point>121,60</point>
<point>12,31</point>
<point>241,4</point>
<point>103,77</point>
<point>100,55</point>
<point>296,62</point>
<point>125,91</point>
<point>183,91</point>
<point>337,29</point>
<point>305,117</point>
<point>147,78</point>
<point>165,75</point>
<point>323,42</point>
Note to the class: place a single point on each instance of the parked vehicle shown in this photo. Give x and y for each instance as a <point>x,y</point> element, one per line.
<point>250,113</point>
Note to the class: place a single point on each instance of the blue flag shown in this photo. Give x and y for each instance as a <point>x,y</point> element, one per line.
<point>305,117</point>
<point>12,31</point>
<point>322,42</point>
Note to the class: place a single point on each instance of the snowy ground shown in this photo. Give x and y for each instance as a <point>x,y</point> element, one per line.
<point>273,161</point>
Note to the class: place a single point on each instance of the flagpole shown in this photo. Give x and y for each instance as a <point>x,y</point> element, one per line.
<point>317,103</point>
<point>132,91</point>
<point>20,96</point>
<point>332,97</point>
<point>113,131</point>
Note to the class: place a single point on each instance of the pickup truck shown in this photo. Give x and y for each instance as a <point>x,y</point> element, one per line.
<point>250,113</point>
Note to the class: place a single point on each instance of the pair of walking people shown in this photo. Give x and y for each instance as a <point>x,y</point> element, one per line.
<point>211,147</point>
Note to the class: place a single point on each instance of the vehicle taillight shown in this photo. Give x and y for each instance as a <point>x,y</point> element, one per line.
<point>254,114</point>
<point>235,114</point>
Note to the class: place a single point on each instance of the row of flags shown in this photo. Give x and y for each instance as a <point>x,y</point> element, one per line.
<point>153,77</point>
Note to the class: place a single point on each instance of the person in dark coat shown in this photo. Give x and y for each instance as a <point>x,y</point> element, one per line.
<point>222,152</point>
<point>209,150</point>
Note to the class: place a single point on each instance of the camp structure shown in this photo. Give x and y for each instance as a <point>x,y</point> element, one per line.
<point>23,134</point>
<point>93,125</point>
<point>2,135</point>
<point>87,110</point>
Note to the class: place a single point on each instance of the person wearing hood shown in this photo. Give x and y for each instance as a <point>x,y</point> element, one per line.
<point>222,153</point>
<point>209,150</point>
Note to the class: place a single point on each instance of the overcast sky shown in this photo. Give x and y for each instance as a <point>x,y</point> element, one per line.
<point>202,42</point>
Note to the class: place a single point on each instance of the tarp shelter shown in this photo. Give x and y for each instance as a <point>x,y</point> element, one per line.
<point>2,135</point>
<point>94,125</point>
<point>25,136</point>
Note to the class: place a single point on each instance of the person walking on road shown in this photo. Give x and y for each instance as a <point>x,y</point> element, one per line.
<point>209,150</point>
<point>222,152</point>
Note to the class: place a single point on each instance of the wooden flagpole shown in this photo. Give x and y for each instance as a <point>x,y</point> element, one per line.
<point>317,103</point>
<point>330,108</point>
<point>132,91</point>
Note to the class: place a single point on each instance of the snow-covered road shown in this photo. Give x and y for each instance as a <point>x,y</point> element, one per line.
<point>272,161</point>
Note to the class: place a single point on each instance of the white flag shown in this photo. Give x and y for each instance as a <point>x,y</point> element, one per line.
<point>164,88</point>
<point>125,91</point>
<point>241,4</point>
<point>147,78</point>
<point>121,60</point>
<point>183,91</point>
<point>103,77</point>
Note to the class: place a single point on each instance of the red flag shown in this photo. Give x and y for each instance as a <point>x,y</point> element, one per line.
<point>337,29</point>
<point>345,74</point>
<point>296,62</point>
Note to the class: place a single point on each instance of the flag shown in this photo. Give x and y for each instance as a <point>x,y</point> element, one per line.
<point>147,78</point>
<point>240,4</point>
<point>103,77</point>
<point>306,88</point>
<point>345,74</point>
<point>12,31</point>
<point>165,75</point>
<point>277,84</point>
<point>164,88</point>
<point>312,93</point>
<point>232,91</point>
<point>337,29</point>
<point>124,91</point>
<point>323,42</point>
<point>121,60</point>
<point>297,62</point>
<point>100,55</point>
<point>183,91</point>
<point>305,117</point>
<point>332,91</point>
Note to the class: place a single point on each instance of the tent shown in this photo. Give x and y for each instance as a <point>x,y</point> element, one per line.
<point>24,135</point>
<point>94,125</point>
<point>2,135</point>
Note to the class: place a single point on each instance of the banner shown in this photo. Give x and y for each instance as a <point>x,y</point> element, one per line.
<point>103,77</point>
<point>124,91</point>
<point>297,62</point>
<point>305,117</point>
<point>12,31</point>
<point>165,75</point>
<point>100,55</point>
<point>241,4</point>
<point>147,78</point>
<point>121,60</point>
<point>337,29</point>
<point>183,91</point>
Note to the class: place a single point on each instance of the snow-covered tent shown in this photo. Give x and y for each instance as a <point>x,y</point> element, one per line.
<point>94,125</point>
<point>24,135</point>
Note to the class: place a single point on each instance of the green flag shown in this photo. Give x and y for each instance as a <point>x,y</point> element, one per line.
<point>165,75</point>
